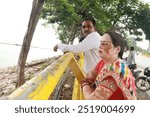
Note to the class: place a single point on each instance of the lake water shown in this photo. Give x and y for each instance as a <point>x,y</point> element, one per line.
<point>9,54</point>
<point>44,37</point>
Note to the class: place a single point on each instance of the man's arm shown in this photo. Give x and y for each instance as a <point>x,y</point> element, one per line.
<point>90,42</point>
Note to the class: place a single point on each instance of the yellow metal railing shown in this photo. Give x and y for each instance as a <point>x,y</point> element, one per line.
<point>77,91</point>
<point>41,86</point>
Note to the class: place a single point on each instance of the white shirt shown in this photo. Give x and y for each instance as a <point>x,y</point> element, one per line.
<point>131,58</point>
<point>90,47</point>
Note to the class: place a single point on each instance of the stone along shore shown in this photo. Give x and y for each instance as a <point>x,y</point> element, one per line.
<point>8,75</point>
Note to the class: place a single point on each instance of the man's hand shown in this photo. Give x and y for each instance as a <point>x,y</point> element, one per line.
<point>77,57</point>
<point>55,48</point>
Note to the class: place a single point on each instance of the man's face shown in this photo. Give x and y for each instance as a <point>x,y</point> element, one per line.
<point>87,27</point>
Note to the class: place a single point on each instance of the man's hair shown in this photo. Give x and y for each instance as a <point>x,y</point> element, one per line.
<point>131,48</point>
<point>117,40</point>
<point>91,19</point>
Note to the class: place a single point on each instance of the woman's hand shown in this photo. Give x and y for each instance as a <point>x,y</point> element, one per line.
<point>84,82</point>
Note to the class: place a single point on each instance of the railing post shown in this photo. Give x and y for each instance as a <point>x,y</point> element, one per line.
<point>77,92</point>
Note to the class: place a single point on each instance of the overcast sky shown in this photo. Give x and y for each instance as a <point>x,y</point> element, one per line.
<point>13,24</point>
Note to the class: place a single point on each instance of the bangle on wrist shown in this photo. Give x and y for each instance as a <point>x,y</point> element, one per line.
<point>84,84</point>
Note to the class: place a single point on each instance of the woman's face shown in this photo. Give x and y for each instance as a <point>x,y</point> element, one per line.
<point>107,51</point>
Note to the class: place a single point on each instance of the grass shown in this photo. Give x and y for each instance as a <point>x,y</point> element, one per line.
<point>146,54</point>
<point>43,66</point>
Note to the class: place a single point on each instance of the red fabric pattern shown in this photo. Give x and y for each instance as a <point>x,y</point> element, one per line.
<point>124,82</point>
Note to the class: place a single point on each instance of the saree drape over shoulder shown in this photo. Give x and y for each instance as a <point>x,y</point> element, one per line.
<point>114,81</point>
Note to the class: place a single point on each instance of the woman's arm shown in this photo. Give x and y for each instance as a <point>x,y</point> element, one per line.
<point>102,92</point>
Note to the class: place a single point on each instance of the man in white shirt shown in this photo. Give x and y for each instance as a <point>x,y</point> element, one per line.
<point>131,57</point>
<point>89,46</point>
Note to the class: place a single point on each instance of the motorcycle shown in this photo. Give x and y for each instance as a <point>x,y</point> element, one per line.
<point>143,82</point>
<point>135,72</point>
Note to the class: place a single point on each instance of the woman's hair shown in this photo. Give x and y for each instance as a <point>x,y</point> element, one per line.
<point>117,40</point>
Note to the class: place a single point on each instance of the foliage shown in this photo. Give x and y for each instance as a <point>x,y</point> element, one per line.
<point>143,20</point>
<point>44,65</point>
<point>63,13</point>
<point>146,54</point>
<point>109,14</point>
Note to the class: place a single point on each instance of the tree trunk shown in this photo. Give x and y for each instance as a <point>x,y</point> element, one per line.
<point>37,7</point>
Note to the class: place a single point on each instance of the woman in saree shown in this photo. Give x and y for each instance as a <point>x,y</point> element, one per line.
<point>113,79</point>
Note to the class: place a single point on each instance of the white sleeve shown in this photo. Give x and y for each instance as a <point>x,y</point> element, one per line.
<point>90,42</point>
<point>62,47</point>
<point>133,54</point>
